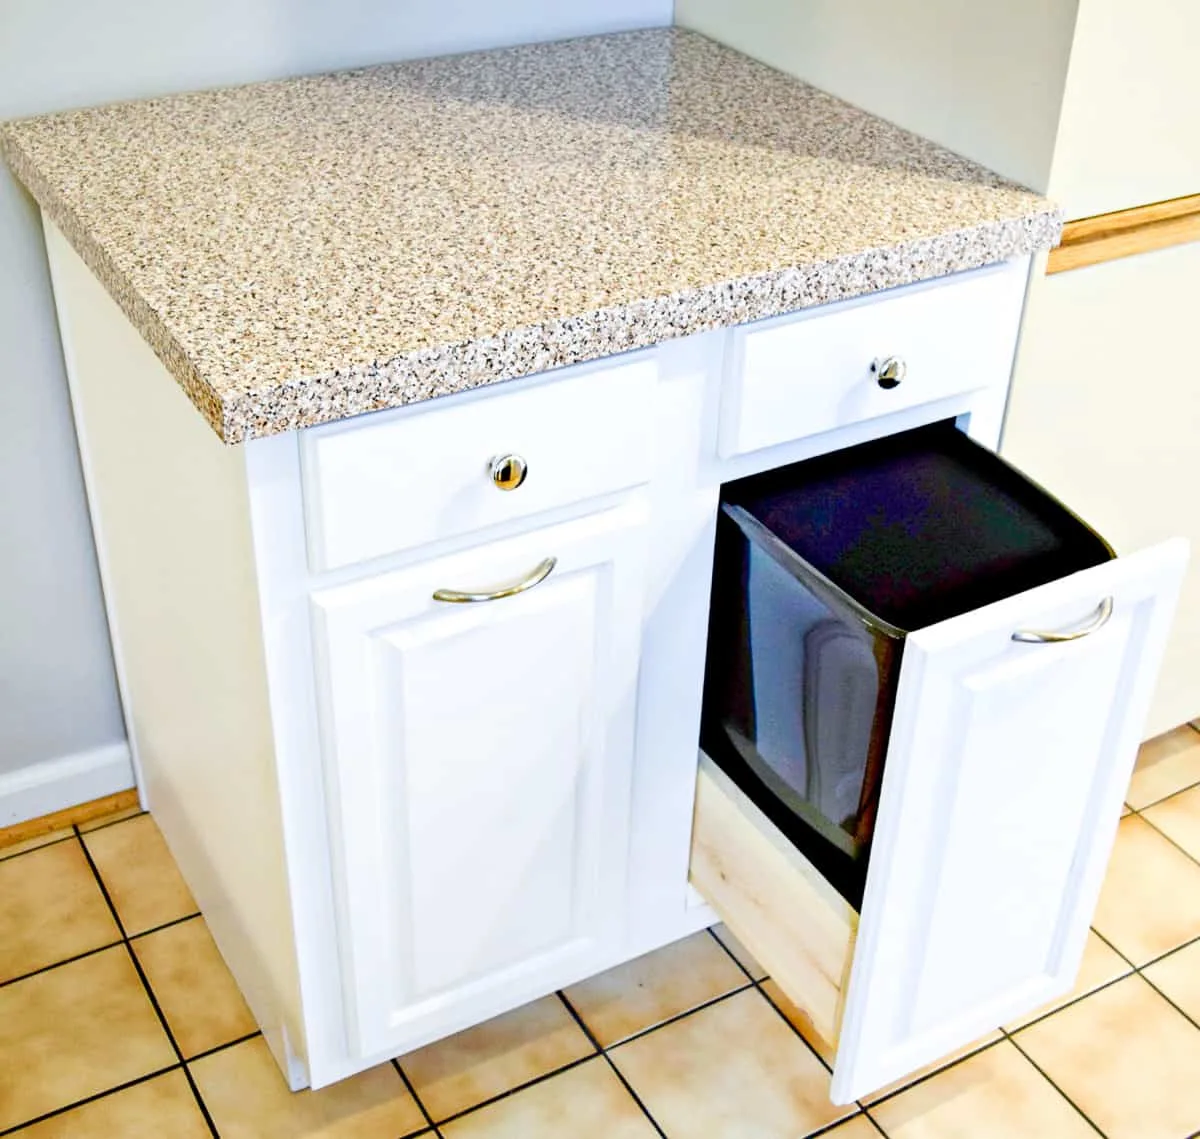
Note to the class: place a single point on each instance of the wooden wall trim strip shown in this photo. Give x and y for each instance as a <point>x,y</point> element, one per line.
<point>1126,232</point>
<point>68,817</point>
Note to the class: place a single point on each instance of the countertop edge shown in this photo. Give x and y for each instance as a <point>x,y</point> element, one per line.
<point>140,314</point>
<point>428,373</point>
<point>431,373</point>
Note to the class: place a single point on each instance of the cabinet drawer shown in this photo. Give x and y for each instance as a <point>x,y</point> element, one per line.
<point>925,690</point>
<point>1006,764</point>
<point>795,376</point>
<point>403,479</point>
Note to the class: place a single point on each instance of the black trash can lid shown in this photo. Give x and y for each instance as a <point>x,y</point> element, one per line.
<point>921,526</point>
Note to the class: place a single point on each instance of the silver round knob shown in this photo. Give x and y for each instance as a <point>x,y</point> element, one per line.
<point>889,371</point>
<point>508,471</point>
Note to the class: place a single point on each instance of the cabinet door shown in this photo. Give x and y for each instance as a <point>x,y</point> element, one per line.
<point>478,763</point>
<point>1005,773</point>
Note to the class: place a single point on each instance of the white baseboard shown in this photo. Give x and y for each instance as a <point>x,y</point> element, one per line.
<point>55,784</point>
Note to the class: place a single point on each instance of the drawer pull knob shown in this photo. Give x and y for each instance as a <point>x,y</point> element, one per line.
<point>536,576</point>
<point>889,371</point>
<point>1097,621</point>
<point>508,471</point>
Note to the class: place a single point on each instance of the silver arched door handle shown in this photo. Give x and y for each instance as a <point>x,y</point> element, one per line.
<point>536,576</point>
<point>1039,637</point>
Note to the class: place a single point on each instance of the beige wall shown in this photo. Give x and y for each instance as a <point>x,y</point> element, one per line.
<point>1130,127</point>
<point>1105,412</point>
<point>985,80</point>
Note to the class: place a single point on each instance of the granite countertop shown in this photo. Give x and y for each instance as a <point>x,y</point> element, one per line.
<point>305,250</point>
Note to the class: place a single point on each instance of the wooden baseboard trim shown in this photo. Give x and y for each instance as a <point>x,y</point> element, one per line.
<point>1106,237</point>
<point>68,817</point>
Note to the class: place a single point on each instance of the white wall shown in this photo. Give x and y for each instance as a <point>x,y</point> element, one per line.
<point>57,692</point>
<point>984,79</point>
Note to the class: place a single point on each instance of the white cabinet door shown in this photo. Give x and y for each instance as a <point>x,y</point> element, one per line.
<point>478,763</point>
<point>1005,773</point>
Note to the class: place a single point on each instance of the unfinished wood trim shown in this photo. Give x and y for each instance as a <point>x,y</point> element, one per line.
<point>68,817</point>
<point>773,900</point>
<point>1106,237</point>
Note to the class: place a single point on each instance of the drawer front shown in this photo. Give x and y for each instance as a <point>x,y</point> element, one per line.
<point>1006,766</point>
<point>801,375</point>
<point>404,479</point>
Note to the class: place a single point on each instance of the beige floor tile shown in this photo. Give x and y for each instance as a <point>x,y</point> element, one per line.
<point>1165,764</point>
<point>731,1069</point>
<point>194,989</point>
<point>1179,977</point>
<point>75,1031</point>
<point>1179,819</point>
<point>644,992</point>
<point>995,1094</point>
<point>1127,1058</point>
<point>585,1102</point>
<point>15,848</point>
<point>744,956</point>
<point>1101,964</point>
<point>161,1108</point>
<point>139,874</point>
<point>246,1095</point>
<point>461,1071</point>
<point>1150,903</point>
<point>115,817</point>
<point>51,908</point>
<point>799,1020</point>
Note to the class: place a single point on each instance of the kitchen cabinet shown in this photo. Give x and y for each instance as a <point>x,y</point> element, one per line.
<point>478,759</point>
<point>445,808</point>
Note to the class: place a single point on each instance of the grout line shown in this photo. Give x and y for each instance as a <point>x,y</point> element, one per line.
<point>609,1061</point>
<point>930,1075</point>
<point>682,1015</point>
<point>110,823</point>
<point>65,961</point>
<point>221,1047</point>
<point>162,1019</point>
<point>875,1123</point>
<point>513,1091</point>
<point>412,1091</point>
<point>33,850</point>
<point>1046,1076</point>
<point>1073,1001</point>
<point>1169,953</point>
<point>165,925</point>
<point>1187,1016</point>
<point>758,984</point>
<point>731,955</point>
<point>1124,957</point>
<point>137,966</point>
<point>825,1129</point>
<point>90,1099</point>
<point>1164,798</point>
<point>1157,830</point>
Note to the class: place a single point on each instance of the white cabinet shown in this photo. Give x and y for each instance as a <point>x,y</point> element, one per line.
<point>1006,764</point>
<point>478,760</point>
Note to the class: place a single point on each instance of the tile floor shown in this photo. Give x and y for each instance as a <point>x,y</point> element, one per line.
<point>118,1019</point>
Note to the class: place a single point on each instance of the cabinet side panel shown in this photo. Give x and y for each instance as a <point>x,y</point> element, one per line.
<point>170,508</point>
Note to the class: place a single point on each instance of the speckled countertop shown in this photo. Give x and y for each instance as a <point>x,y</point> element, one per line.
<point>301,251</point>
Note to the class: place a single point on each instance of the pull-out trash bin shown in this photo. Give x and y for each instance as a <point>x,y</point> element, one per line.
<point>822,569</point>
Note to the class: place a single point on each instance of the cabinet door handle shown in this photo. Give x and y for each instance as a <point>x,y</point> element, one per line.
<point>1039,637</point>
<point>536,576</point>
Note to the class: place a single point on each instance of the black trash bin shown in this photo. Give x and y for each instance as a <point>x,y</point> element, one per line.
<point>822,569</point>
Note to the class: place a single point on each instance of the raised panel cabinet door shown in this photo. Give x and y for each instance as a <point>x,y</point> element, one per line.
<point>478,762</point>
<point>1006,768</point>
